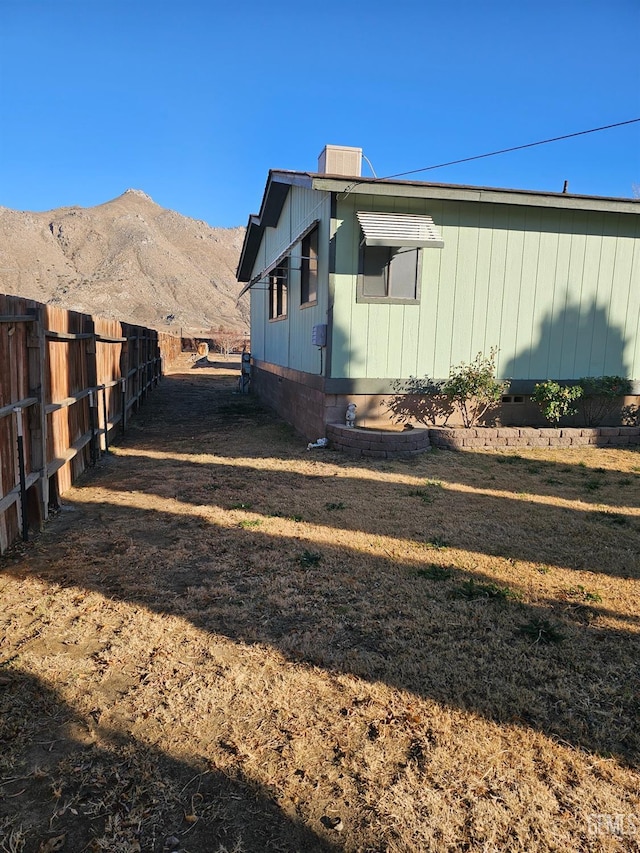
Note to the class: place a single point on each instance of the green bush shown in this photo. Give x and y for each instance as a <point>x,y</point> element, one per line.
<point>473,387</point>
<point>556,400</point>
<point>601,396</point>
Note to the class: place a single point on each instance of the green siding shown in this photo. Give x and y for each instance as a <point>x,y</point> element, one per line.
<point>558,291</point>
<point>526,320</point>
<point>287,342</point>
<point>632,324</point>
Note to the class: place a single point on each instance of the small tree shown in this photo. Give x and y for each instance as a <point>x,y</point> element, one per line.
<point>601,396</point>
<point>473,387</point>
<point>556,400</point>
<point>227,341</point>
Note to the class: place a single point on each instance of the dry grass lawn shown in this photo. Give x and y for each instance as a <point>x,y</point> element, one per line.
<point>225,643</point>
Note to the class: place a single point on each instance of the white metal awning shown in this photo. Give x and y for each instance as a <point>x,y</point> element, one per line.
<point>399,229</point>
<point>278,260</point>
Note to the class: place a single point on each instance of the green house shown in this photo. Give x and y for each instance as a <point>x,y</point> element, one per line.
<point>359,283</point>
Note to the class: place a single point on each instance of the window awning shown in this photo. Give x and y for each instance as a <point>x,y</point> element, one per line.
<point>283,254</point>
<point>399,229</point>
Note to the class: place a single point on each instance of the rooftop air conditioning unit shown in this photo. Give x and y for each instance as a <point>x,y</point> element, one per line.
<point>340,160</point>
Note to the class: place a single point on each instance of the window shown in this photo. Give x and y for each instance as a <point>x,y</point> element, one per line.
<point>309,268</point>
<point>389,274</point>
<point>390,264</point>
<point>278,283</point>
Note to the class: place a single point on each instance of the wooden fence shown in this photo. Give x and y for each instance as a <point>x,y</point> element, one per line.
<point>68,383</point>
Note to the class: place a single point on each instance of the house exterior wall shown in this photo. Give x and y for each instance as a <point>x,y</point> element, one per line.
<point>557,291</point>
<point>287,342</point>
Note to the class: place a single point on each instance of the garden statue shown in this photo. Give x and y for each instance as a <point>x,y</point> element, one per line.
<point>351,415</point>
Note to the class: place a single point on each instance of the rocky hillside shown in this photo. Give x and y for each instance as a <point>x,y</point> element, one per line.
<point>129,259</point>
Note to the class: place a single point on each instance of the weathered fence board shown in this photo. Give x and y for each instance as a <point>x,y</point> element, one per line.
<point>67,381</point>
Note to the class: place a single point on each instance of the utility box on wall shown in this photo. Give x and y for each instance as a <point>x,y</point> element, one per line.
<point>319,335</point>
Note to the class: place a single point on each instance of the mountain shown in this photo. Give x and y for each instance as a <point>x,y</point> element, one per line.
<point>129,259</point>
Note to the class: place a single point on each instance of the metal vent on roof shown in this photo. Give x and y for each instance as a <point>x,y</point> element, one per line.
<point>399,229</point>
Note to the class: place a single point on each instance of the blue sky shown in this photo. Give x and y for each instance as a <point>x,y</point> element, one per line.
<point>193,101</point>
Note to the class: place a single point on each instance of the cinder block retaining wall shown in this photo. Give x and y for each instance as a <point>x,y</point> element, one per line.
<point>458,439</point>
<point>377,443</point>
<point>389,444</point>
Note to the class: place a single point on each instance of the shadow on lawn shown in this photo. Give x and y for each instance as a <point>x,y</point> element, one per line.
<point>198,417</point>
<point>448,639</point>
<point>596,538</point>
<point>206,361</point>
<point>345,610</point>
<point>100,789</point>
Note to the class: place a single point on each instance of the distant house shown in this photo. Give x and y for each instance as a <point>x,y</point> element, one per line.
<point>359,283</point>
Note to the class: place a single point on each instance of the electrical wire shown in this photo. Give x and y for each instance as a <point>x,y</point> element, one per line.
<point>514,148</point>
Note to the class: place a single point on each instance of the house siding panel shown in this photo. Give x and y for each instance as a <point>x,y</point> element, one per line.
<point>529,286</point>
<point>560,300</point>
<point>632,323</point>
<point>494,306</point>
<point>570,351</point>
<point>463,315</point>
<point>405,345</point>
<point>556,291</point>
<point>287,342</point>
<point>513,283</point>
<point>379,341</point>
<point>602,301</point>
<point>429,314</point>
<point>621,295</point>
<point>535,351</point>
<point>589,295</point>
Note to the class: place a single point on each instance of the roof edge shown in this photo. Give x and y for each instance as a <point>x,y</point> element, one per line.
<point>280,180</point>
<point>462,192</point>
<point>275,192</point>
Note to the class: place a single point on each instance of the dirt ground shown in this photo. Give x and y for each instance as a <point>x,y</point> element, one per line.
<point>226,643</point>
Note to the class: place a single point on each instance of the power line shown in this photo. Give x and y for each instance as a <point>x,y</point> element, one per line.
<point>514,148</point>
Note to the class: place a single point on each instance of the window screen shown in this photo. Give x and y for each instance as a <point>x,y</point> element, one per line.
<point>388,274</point>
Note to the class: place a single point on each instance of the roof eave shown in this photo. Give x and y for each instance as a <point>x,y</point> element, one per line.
<point>459,192</point>
<point>273,198</point>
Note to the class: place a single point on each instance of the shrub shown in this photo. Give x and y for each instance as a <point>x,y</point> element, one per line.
<point>473,387</point>
<point>601,395</point>
<point>419,400</point>
<point>556,400</point>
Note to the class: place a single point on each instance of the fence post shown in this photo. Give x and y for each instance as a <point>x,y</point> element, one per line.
<point>124,373</point>
<point>88,325</point>
<point>38,426</point>
<point>105,417</point>
<point>123,395</point>
<point>22,474</point>
<point>93,426</point>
